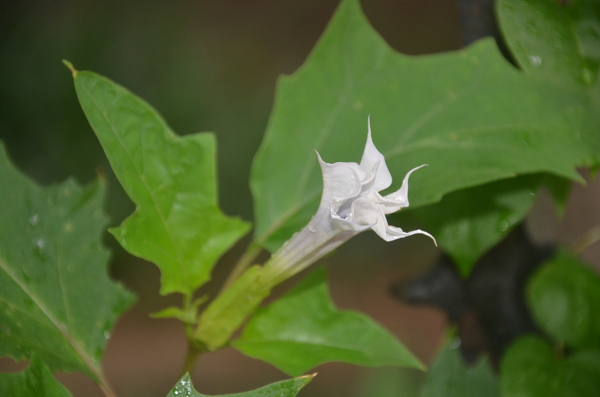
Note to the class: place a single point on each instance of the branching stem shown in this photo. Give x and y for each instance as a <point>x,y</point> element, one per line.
<point>589,238</point>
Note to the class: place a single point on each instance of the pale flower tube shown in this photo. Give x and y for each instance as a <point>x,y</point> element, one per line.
<point>350,204</point>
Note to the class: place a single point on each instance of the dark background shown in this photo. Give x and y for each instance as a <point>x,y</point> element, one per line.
<point>211,66</point>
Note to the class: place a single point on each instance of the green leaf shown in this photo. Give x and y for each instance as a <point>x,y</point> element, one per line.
<point>558,42</point>
<point>469,114</point>
<point>388,382</point>
<point>172,180</point>
<point>35,381</point>
<point>531,368</point>
<point>564,296</point>
<point>302,330</point>
<point>286,388</point>
<point>450,376</point>
<point>469,222</point>
<point>56,299</point>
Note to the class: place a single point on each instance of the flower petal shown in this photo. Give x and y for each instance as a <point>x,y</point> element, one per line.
<point>395,233</point>
<point>373,163</point>
<point>399,199</point>
<point>340,181</point>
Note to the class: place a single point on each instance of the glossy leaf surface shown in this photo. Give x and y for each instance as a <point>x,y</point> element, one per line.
<point>531,368</point>
<point>555,40</point>
<point>564,297</point>
<point>56,298</point>
<point>172,180</point>
<point>286,388</point>
<point>469,114</point>
<point>303,329</point>
<point>35,381</point>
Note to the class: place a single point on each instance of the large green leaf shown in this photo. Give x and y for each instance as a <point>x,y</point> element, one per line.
<point>172,180</point>
<point>531,368</point>
<point>558,41</point>
<point>450,376</point>
<point>56,299</point>
<point>469,114</point>
<point>469,222</point>
<point>302,330</point>
<point>564,297</point>
<point>35,381</point>
<point>286,388</point>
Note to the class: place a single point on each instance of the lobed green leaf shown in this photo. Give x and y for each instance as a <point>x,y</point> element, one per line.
<point>56,298</point>
<point>35,381</point>
<point>172,180</point>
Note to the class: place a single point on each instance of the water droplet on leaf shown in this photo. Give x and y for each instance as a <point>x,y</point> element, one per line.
<point>503,225</point>
<point>34,220</point>
<point>535,60</point>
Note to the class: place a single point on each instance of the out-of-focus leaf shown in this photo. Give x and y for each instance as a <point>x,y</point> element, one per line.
<point>558,41</point>
<point>449,376</point>
<point>35,381</point>
<point>302,330</point>
<point>286,388</point>
<point>564,296</point>
<point>389,382</point>
<point>469,114</point>
<point>467,223</point>
<point>531,368</point>
<point>56,299</point>
<point>172,180</point>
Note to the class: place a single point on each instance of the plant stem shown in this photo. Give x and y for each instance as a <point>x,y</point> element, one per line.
<point>242,264</point>
<point>105,387</point>
<point>589,238</point>
<point>193,352</point>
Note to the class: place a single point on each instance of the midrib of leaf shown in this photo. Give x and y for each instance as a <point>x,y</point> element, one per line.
<point>59,326</point>
<point>60,281</point>
<point>148,190</point>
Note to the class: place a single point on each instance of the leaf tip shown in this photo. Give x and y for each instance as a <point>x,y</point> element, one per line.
<point>70,66</point>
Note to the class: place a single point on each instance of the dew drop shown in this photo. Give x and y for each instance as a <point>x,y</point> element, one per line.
<point>106,334</point>
<point>25,274</point>
<point>503,225</point>
<point>40,243</point>
<point>535,60</point>
<point>34,220</point>
<point>455,343</point>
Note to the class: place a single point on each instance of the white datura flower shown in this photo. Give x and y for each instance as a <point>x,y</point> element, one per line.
<point>350,204</point>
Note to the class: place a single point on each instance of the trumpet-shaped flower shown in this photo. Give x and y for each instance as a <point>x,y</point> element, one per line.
<point>350,203</point>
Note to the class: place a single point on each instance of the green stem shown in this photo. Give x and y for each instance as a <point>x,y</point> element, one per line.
<point>105,387</point>
<point>589,238</point>
<point>195,348</point>
<point>193,352</point>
